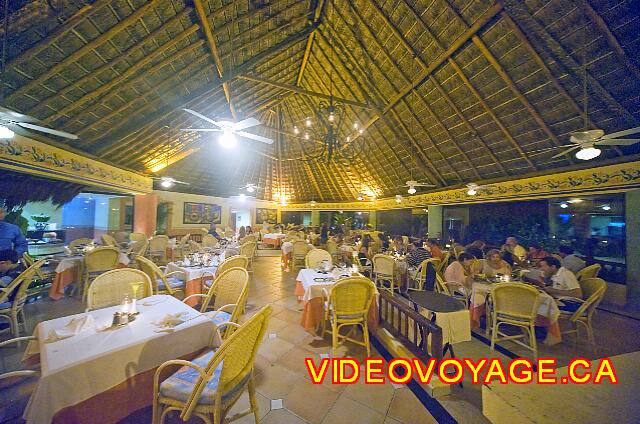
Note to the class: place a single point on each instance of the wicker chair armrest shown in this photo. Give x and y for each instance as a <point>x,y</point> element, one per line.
<point>17,340</point>
<point>193,295</point>
<point>21,373</point>
<point>571,298</point>
<point>207,274</point>
<point>174,272</point>
<point>228,323</point>
<point>222,308</point>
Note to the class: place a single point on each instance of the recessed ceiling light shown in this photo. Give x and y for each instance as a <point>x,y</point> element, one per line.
<point>606,207</point>
<point>563,205</point>
<point>588,153</point>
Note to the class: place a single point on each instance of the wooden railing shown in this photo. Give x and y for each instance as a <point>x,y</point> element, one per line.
<point>409,327</point>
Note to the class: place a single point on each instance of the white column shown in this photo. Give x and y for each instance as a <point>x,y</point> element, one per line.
<point>434,221</point>
<point>632,219</point>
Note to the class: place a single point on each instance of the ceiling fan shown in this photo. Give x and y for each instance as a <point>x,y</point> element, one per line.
<point>249,187</point>
<point>168,182</point>
<point>473,188</point>
<point>229,129</point>
<point>10,118</point>
<point>412,184</point>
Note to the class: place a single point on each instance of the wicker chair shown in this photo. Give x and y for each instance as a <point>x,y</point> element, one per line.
<point>195,247</point>
<point>316,257</point>
<point>138,237</point>
<point>593,290</point>
<point>515,304</point>
<point>590,271</point>
<point>182,249</point>
<point>300,249</point>
<point>421,272</point>
<point>248,250</point>
<point>138,248</point>
<point>82,241</point>
<point>332,248</point>
<point>444,263</point>
<point>210,242</point>
<point>348,304</point>
<point>229,293</point>
<point>158,246</point>
<point>209,386</point>
<point>110,288</point>
<point>14,296</point>
<point>161,281</point>
<point>97,261</point>
<point>238,261</point>
<point>384,270</point>
<point>108,240</point>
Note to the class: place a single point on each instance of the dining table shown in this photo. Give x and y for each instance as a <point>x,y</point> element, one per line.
<point>195,276</point>
<point>273,239</point>
<point>69,271</point>
<point>311,286</point>
<point>548,311</point>
<point>98,373</point>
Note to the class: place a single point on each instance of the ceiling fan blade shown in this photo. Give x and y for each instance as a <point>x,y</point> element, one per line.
<point>247,123</point>
<point>201,116</point>
<point>47,130</point>
<point>564,152</point>
<point>254,137</point>
<point>548,149</point>
<point>201,129</point>
<point>180,182</point>
<point>10,115</point>
<point>618,142</point>
<point>425,185</point>
<point>621,133</point>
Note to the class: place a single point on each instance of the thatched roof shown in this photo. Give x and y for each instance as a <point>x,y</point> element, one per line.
<point>457,91</point>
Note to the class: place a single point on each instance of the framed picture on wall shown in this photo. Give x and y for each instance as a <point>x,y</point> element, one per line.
<point>266,216</point>
<point>201,213</point>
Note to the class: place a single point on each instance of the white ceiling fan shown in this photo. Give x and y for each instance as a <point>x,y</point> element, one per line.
<point>229,129</point>
<point>168,182</point>
<point>249,187</point>
<point>9,118</point>
<point>473,188</point>
<point>412,184</point>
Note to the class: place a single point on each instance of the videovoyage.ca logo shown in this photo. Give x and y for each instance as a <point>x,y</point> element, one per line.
<point>453,371</point>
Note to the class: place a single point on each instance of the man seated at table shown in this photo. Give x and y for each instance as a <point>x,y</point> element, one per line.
<point>10,267</point>
<point>418,255</point>
<point>536,252</point>
<point>569,259</point>
<point>213,232</point>
<point>563,282</point>
<point>516,252</point>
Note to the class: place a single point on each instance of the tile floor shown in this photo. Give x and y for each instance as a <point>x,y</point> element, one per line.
<point>281,374</point>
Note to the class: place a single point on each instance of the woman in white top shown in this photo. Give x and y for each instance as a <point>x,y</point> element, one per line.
<point>460,271</point>
<point>494,264</point>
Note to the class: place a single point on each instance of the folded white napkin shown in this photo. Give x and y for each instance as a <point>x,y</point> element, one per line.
<point>172,320</point>
<point>73,327</point>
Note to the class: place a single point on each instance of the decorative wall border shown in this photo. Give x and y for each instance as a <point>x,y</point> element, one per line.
<point>607,178</point>
<point>34,157</point>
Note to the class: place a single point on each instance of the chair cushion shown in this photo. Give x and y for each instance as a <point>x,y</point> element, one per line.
<point>5,305</point>
<point>180,385</point>
<point>174,282</point>
<point>219,317</point>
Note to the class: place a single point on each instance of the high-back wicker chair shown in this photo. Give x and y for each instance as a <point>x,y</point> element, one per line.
<point>515,304</point>
<point>248,250</point>
<point>108,240</point>
<point>82,241</point>
<point>227,296</point>
<point>593,290</point>
<point>138,248</point>
<point>237,261</point>
<point>210,242</point>
<point>182,248</point>
<point>161,281</point>
<point>110,288</point>
<point>590,271</point>
<point>43,272</point>
<point>421,273</point>
<point>300,249</point>
<point>12,306</point>
<point>158,246</point>
<point>210,385</point>
<point>348,304</point>
<point>97,261</point>
<point>138,237</point>
<point>405,240</point>
<point>315,257</point>
<point>444,263</point>
<point>457,250</point>
<point>384,270</point>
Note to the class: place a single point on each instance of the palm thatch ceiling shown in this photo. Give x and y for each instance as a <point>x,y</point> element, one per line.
<point>449,91</point>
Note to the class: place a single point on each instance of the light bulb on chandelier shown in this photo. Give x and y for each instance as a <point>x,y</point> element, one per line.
<point>398,198</point>
<point>412,190</point>
<point>296,131</point>
<point>308,122</point>
<point>472,192</point>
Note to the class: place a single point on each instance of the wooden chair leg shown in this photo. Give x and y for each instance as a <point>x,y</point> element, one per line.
<point>365,331</point>
<point>253,401</point>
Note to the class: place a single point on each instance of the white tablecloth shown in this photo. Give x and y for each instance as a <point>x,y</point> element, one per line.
<point>192,273</point>
<point>456,326</point>
<point>314,288</point>
<point>274,236</point>
<point>93,361</point>
<point>74,261</point>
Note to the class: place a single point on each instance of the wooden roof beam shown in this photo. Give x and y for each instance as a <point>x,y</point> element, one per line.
<point>299,90</point>
<point>215,53</point>
<point>317,15</point>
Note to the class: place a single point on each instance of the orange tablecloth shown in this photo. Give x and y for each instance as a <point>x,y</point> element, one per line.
<point>313,312</point>
<point>63,279</point>
<point>195,286</point>
<point>273,242</point>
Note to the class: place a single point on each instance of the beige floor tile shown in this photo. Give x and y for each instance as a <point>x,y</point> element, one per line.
<point>309,401</point>
<point>295,360</point>
<point>264,404</point>
<point>348,411</point>
<point>294,333</point>
<point>274,381</point>
<point>376,396</point>
<point>281,416</point>
<point>272,349</point>
<point>407,409</point>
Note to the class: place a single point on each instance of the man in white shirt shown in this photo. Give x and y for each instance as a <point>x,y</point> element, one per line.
<point>563,281</point>
<point>569,260</point>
